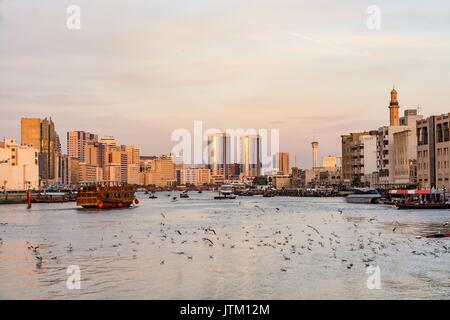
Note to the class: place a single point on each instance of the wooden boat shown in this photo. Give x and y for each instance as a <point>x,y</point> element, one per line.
<point>417,205</point>
<point>421,199</point>
<point>106,197</point>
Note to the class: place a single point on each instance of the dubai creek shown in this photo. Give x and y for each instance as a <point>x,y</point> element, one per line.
<point>247,248</point>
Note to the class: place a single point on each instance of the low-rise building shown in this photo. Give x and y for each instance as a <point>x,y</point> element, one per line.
<point>19,166</point>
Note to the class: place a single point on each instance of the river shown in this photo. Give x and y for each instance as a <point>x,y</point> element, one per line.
<point>248,248</point>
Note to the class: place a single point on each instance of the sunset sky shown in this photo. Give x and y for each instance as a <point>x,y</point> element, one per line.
<point>140,69</point>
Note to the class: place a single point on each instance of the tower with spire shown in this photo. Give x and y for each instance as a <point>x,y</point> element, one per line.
<point>393,109</point>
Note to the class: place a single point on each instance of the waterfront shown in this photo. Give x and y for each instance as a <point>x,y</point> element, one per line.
<point>263,248</point>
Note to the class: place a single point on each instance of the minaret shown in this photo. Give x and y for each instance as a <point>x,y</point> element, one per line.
<point>393,109</point>
<point>315,146</point>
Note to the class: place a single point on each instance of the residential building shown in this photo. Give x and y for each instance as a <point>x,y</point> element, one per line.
<point>76,141</point>
<point>359,157</point>
<point>433,143</point>
<point>195,176</point>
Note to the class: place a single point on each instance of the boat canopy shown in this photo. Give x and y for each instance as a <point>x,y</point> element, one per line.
<point>406,192</point>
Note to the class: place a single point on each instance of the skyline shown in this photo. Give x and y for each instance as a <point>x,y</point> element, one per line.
<point>314,73</point>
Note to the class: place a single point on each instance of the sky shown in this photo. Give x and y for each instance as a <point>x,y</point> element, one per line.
<point>140,69</point>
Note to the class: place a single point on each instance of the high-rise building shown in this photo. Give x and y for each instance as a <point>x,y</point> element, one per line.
<point>41,134</point>
<point>251,155</point>
<point>281,164</point>
<point>76,141</point>
<point>30,129</point>
<point>219,154</point>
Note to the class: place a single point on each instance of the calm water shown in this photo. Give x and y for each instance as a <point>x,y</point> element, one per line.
<point>264,248</point>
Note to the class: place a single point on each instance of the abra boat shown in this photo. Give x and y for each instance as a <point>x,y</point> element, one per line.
<point>363,195</point>
<point>421,199</point>
<point>106,197</point>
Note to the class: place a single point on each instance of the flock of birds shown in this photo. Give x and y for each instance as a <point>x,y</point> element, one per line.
<point>334,238</point>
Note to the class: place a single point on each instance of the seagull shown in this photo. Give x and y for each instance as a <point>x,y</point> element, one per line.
<point>162,214</point>
<point>211,243</point>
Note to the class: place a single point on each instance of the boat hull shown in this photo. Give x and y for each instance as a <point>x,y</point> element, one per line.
<point>109,205</point>
<point>413,206</point>
<point>356,198</point>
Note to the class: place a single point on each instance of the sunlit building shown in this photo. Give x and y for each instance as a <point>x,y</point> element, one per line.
<point>219,154</point>
<point>18,166</point>
<point>281,163</point>
<point>41,134</point>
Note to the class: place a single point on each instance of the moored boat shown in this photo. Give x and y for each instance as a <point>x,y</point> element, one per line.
<point>225,192</point>
<point>363,195</point>
<point>421,199</point>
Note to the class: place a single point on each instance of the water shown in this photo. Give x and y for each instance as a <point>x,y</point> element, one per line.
<point>264,248</point>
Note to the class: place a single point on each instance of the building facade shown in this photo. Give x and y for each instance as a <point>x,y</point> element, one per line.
<point>433,143</point>
<point>281,163</point>
<point>19,166</point>
<point>41,134</point>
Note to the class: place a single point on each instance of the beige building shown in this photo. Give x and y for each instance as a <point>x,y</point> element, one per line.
<point>195,176</point>
<point>30,130</point>
<point>89,173</point>
<point>281,181</point>
<point>18,166</point>
<point>433,144</point>
<point>359,157</point>
<point>320,176</point>
<point>331,161</point>
<point>404,157</point>
<point>76,144</point>
<point>386,145</point>
<point>160,174</point>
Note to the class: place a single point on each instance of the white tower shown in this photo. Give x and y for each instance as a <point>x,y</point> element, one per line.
<point>315,146</point>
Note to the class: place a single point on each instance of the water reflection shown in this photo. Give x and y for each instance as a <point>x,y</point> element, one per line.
<point>257,248</point>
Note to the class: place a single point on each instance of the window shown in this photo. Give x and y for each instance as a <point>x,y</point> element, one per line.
<point>439,133</point>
